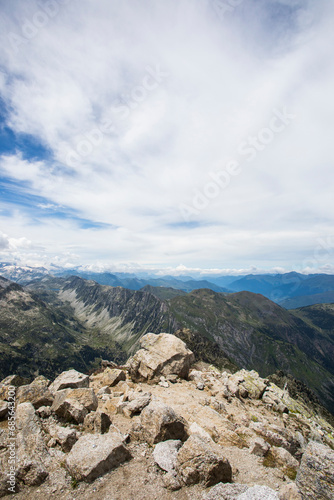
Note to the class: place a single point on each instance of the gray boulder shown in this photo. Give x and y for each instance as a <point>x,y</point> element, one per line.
<point>74,404</point>
<point>37,393</point>
<point>201,461</point>
<point>315,478</point>
<point>32,455</point>
<point>160,355</point>
<point>165,454</point>
<point>94,455</point>
<point>159,422</point>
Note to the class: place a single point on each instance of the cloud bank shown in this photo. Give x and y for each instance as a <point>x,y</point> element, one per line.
<point>167,133</point>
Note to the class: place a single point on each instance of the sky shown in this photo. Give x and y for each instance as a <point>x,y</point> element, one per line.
<point>178,134</point>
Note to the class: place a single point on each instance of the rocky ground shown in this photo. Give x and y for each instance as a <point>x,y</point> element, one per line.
<point>162,428</point>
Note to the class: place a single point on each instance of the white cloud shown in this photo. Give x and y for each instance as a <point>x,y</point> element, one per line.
<point>216,84</point>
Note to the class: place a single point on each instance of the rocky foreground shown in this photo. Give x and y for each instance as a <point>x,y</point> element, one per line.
<point>161,427</point>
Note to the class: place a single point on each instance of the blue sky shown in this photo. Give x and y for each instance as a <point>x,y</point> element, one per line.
<point>179,135</point>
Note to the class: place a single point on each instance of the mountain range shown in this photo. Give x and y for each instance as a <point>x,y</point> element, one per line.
<point>53,324</point>
<point>290,290</point>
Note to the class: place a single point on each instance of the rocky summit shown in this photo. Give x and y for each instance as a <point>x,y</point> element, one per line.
<point>162,427</point>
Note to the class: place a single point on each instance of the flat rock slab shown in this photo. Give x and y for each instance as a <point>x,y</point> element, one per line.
<point>71,379</point>
<point>94,455</point>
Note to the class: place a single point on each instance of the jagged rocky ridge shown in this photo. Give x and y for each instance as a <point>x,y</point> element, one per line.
<point>143,431</point>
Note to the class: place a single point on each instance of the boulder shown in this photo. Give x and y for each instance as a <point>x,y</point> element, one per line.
<point>258,493</point>
<point>94,455</point>
<point>289,492</point>
<point>165,454</point>
<point>160,355</point>
<point>284,458</point>
<point>136,405</point>
<point>224,491</point>
<point>31,451</point>
<point>251,383</point>
<point>109,377</point>
<point>44,411</point>
<point>201,461</point>
<point>97,421</point>
<point>37,393</point>
<point>64,436</point>
<point>8,383</point>
<point>315,478</point>
<point>74,404</point>
<point>159,422</point>
<point>258,446</point>
<point>71,379</point>
<point>3,409</point>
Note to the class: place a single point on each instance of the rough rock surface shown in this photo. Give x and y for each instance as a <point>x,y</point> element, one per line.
<point>225,491</point>
<point>97,421</point>
<point>259,447</point>
<point>315,478</point>
<point>94,455</point>
<point>71,379</point>
<point>74,404</point>
<point>160,355</point>
<point>200,461</point>
<point>258,493</point>
<point>32,453</point>
<point>64,436</point>
<point>37,393</point>
<point>159,422</point>
<point>165,454</point>
<point>3,408</point>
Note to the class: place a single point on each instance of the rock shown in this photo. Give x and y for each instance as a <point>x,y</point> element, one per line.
<point>200,461</point>
<point>71,379</point>
<point>225,491</point>
<point>105,363</point>
<point>162,354</point>
<point>64,436</point>
<point>97,421</point>
<point>8,383</point>
<point>104,390</point>
<point>258,493</point>
<point>109,377</point>
<point>277,436</point>
<point>94,455</point>
<point>74,404</point>
<point>3,409</point>
<point>258,446</point>
<point>196,376</point>
<point>37,393</point>
<point>31,452</point>
<point>284,458</point>
<point>44,411</point>
<point>171,482</point>
<point>252,383</point>
<point>135,406</point>
<point>315,478</point>
<point>197,429</point>
<point>160,422</point>
<point>165,454</point>
<point>200,386</point>
<point>289,492</point>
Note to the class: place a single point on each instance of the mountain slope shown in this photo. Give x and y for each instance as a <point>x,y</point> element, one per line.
<point>247,328</point>
<point>256,333</point>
